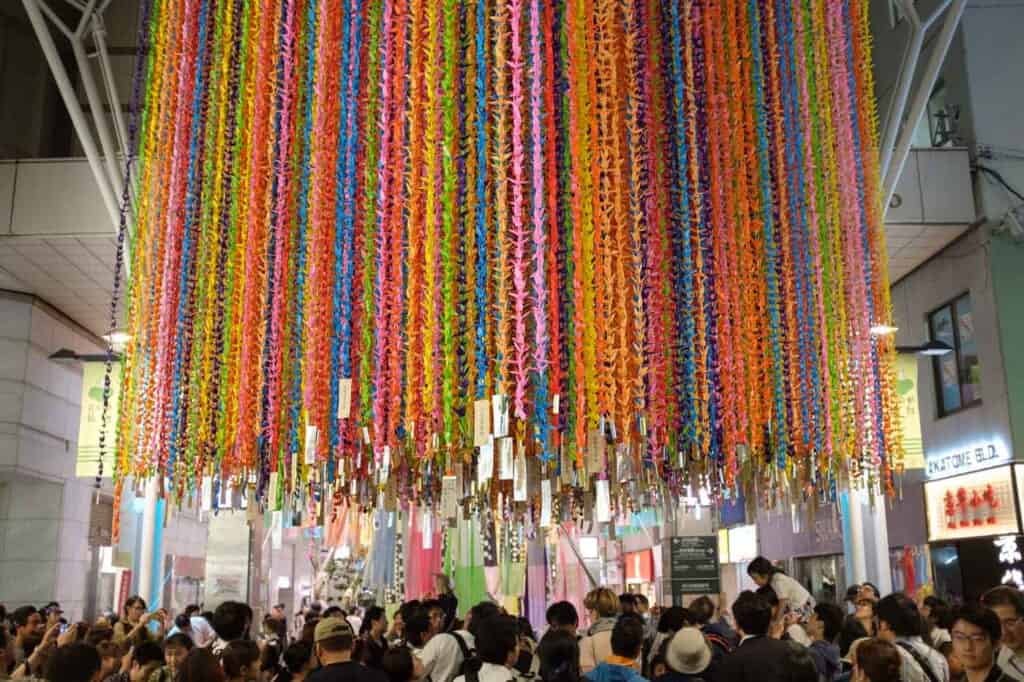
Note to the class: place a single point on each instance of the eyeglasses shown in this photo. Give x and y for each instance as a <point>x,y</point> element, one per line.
<point>964,637</point>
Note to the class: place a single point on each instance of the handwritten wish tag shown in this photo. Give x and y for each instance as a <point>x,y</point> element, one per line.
<point>499,407</point>
<point>449,498</point>
<point>506,468</point>
<point>344,398</point>
<point>481,422</point>
<point>519,480</point>
<point>545,503</point>
<point>312,435</point>
<point>485,462</point>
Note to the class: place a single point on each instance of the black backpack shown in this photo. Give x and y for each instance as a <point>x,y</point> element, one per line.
<point>471,663</point>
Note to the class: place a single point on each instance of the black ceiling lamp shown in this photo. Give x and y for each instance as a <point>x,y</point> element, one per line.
<point>932,348</point>
<point>67,355</point>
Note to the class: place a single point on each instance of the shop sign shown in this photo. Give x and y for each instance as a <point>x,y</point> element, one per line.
<point>1010,559</point>
<point>910,416</point>
<point>973,505</point>
<point>972,457</point>
<point>90,426</point>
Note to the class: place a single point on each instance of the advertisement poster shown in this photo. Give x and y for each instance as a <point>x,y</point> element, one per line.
<point>90,424</point>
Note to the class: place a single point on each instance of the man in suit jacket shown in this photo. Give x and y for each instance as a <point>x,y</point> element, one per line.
<point>758,658</point>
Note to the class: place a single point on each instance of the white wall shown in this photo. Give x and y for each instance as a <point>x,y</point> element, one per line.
<point>962,267</point>
<point>44,509</point>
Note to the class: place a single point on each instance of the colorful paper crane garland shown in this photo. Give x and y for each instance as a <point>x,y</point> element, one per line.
<point>650,220</point>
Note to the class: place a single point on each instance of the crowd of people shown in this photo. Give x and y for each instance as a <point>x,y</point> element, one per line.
<point>776,633</point>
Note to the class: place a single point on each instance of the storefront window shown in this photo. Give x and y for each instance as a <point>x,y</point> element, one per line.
<point>823,576</point>
<point>957,374</point>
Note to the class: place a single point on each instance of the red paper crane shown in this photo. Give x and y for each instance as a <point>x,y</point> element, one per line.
<point>950,504</point>
<point>977,510</point>
<point>961,501</point>
<point>993,504</point>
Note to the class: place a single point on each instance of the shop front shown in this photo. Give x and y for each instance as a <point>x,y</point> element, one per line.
<point>974,531</point>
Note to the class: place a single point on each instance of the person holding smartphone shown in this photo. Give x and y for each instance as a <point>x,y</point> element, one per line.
<point>133,628</point>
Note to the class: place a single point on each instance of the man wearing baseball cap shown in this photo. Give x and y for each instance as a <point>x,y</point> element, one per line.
<point>333,642</point>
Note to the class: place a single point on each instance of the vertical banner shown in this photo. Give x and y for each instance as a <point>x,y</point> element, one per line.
<point>910,414</point>
<point>90,421</point>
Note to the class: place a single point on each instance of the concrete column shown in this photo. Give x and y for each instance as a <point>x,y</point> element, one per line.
<point>148,546</point>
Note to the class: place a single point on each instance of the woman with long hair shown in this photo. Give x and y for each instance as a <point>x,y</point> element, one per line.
<point>559,654</point>
<point>371,635</point>
<point>133,628</point>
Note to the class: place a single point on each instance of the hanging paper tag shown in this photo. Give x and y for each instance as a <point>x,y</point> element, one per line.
<point>427,528</point>
<point>506,468</point>
<point>499,404</point>
<point>545,503</point>
<point>366,435</point>
<point>554,404</point>
<point>595,451</point>
<point>449,498</point>
<point>312,434</point>
<point>602,504</point>
<point>385,465</point>
<point>519,482</point>
<point>485,462</point>
<point>481,421</point>
<point>252,507</point>
<point>344,398</point>
<point>207,493</point>
<point>277,532</point>
<point>273,494</point>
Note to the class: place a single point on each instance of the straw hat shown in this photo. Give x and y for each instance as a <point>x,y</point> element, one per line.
<point>687,652</point>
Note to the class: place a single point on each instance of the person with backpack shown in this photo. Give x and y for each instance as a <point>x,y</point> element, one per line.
<point>900,623</point>
<point>719,635</point>
<point>823,627</point>
<point>443,656</point>
<point>497,641</point>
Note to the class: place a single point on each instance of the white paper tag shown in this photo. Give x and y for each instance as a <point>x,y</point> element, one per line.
<point>207,493</point>
<point>427,528</point>
<point>385,465</point>
<point>312,435</point>
<point>277,532</point>
<point>485,463</point>
<point>344,398</point>
<point>602,504</point>
<point>499,404</point>
<point>545,503</point>
<point>519,486</point>
<point>481,421</point>
<point>506,467</point>
<point>449,498</point>
<point>272,499</point>
<point>366,435</point>
<point>554,404</point>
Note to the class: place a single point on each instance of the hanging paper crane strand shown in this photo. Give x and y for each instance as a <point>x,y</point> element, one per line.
<point>645,232</point>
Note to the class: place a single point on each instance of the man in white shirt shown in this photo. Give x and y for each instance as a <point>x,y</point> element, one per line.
<point>900,622</point>
<point>1008,604</point>
<point>443,655</point>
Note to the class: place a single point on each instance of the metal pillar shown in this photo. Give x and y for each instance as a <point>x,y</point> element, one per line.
<point>894,157</point>
<point>35,10</point>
